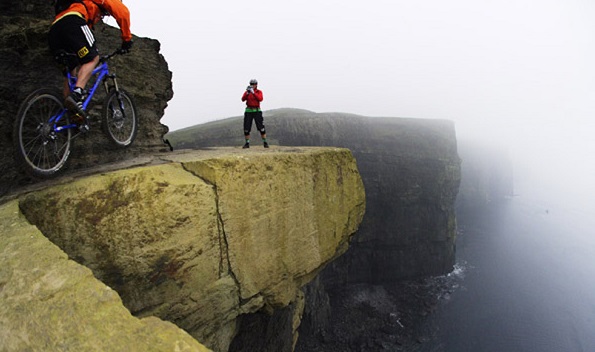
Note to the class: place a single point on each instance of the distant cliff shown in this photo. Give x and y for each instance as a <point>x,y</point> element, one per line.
<point>26,64</point>
<point>199,239</point>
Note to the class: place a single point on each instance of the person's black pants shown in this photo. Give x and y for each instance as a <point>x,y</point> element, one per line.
<point>255,116</point>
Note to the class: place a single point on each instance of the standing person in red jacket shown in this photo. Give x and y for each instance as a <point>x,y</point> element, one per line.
<point>253,96</point>
<point>71,33</point>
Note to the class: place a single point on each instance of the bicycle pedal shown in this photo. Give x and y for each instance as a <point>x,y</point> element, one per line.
<point>84,128</point>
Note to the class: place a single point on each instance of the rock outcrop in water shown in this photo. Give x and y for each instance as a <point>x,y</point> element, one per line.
<point>26,65</point>
<point>200,240</point>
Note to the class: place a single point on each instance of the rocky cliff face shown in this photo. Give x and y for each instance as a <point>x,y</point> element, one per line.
<point>26,64</point>
<point>411,172</point>
<point>200,240</point>
<point>50,303</point>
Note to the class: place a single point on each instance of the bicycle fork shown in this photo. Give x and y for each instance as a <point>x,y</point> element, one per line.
<point>111,76</point>
<point>121,114</point>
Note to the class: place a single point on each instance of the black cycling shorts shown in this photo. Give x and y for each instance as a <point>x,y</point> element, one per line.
<point>255,116</point>
<point>72,35</point>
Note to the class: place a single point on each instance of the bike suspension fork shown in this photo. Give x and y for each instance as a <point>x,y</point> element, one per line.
<point>117,89</point>
<point>114,80</point>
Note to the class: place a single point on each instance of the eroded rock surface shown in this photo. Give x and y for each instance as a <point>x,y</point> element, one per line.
<point>50,303</point>
<point>208,236</point>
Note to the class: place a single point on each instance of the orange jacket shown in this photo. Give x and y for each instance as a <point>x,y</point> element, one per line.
<point>92,13</point>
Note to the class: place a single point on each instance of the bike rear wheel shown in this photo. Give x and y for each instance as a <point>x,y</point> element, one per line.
<point>119,122</point>
<point>39,149</point>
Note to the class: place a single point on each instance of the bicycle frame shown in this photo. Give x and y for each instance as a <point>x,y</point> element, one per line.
<point>101,71</point>
<point>42,130</point>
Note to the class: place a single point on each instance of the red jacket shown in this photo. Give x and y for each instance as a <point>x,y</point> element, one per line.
<point>253,100</point>
<point>91,12</point>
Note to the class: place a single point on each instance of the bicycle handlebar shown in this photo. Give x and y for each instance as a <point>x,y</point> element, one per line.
<point>118,51</point>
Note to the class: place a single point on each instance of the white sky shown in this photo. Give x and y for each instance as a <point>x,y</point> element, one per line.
<point>507,70</point>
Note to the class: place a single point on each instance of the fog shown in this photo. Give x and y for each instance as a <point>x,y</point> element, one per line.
<point>517,75</point>
<point>514,73</point>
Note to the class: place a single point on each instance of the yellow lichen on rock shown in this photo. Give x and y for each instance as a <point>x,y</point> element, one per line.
<point>50,303</point>
<point>285,215</point>
<point>208,236</point>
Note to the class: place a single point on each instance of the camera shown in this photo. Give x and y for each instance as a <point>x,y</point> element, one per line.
<point>250,89</point>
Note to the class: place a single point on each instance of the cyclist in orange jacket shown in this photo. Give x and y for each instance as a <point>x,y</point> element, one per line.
<point>71,33</point>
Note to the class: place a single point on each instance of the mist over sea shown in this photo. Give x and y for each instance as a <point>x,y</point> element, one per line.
<point>525,279</point>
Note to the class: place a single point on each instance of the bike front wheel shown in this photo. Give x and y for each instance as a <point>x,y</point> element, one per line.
<point>41,147</point>
<point>119,122</point>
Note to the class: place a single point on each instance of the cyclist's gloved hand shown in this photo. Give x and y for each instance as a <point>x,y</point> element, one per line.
<point>126,45</point>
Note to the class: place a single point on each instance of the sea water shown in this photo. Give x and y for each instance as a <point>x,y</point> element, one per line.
<point>524,281</point>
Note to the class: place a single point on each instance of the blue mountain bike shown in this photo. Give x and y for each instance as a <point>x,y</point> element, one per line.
<point>44,128</point>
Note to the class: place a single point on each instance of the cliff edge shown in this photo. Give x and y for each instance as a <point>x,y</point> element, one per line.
<point>199,239</point>
<point>411,172</point>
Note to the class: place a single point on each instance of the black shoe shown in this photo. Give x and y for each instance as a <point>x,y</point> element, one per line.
<point>266,145</point>
<point>246,146</point>
<point>78,94</point>
<point>74,103</point>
